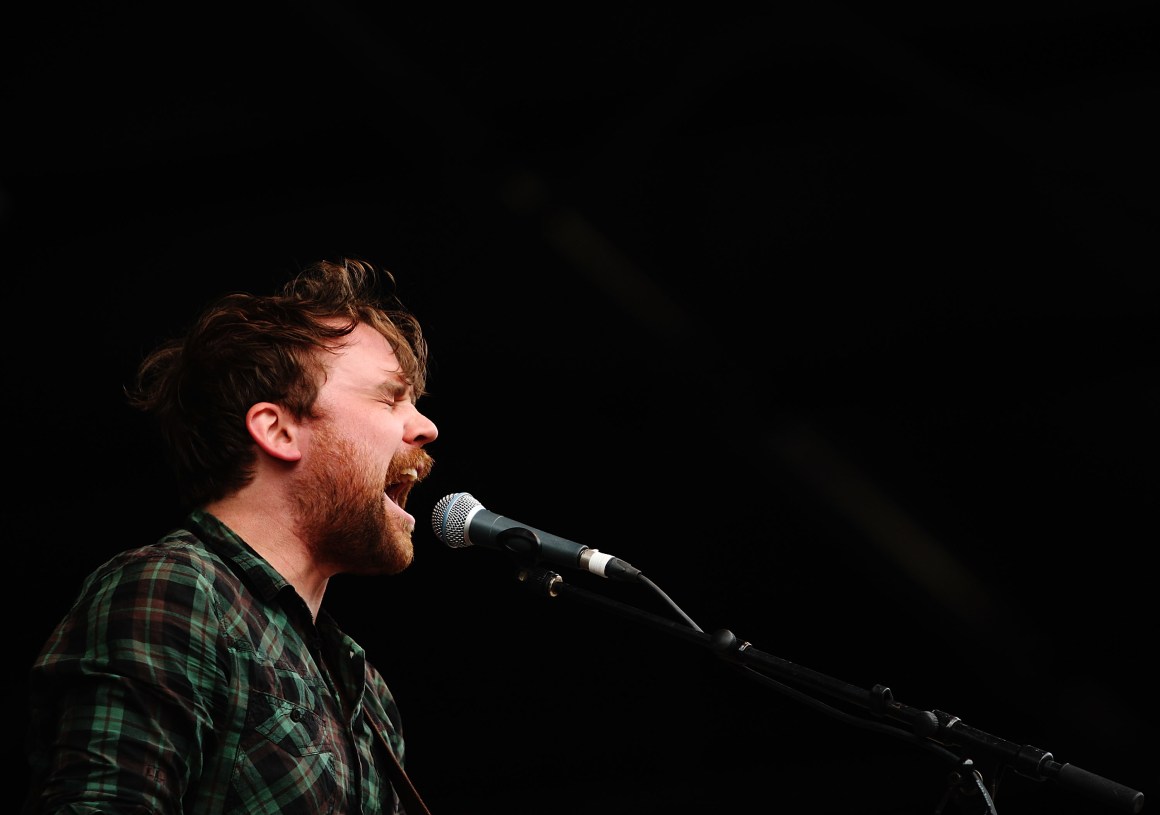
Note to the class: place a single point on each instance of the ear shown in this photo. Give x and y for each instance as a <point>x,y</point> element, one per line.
<point>274,430</point>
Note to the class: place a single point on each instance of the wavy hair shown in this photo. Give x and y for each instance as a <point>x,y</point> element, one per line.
<point>246,349</point>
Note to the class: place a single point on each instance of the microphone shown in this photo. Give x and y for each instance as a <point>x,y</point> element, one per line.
<point>460,521</point>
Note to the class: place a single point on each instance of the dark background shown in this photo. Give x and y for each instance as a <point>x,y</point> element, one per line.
<point>838,322</point>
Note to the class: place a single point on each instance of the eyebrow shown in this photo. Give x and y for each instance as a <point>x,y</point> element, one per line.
<point>396,388</point>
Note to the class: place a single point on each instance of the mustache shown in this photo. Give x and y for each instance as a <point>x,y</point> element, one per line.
<point>412,458</point>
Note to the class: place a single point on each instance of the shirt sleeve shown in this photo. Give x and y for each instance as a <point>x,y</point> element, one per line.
<point>122,693</point>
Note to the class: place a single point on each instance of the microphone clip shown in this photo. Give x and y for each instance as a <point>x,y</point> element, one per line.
<point>540,580</point>
<point>522,544</point>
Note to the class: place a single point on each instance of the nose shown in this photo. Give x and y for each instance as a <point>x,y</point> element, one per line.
<point>420,430</point>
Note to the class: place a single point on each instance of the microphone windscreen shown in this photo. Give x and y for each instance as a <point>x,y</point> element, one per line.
<point>449,518</point>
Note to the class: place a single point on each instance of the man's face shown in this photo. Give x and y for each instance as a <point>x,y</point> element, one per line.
<point>362,457</point>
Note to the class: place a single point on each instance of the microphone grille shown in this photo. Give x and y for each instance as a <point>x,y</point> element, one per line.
<point>449,518</point>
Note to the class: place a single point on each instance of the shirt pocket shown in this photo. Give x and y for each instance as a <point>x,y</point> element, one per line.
<point>293,728</point>
<point>289,760</point>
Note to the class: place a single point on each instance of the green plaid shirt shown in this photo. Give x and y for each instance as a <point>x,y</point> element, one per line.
<point>188,678</point>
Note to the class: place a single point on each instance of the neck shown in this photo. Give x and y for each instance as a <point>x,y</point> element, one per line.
<point>271,533</point>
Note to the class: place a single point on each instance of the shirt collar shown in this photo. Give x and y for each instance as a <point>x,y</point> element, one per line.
<point>260,575</point>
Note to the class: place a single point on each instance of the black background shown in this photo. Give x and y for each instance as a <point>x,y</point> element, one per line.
<point>839,322</point>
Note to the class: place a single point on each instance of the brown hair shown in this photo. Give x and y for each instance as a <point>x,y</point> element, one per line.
<point>245,349</point>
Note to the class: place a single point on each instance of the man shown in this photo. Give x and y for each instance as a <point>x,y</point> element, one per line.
<point>200,674</point>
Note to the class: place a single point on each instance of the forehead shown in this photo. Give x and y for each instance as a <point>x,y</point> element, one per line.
<point>365,359</point>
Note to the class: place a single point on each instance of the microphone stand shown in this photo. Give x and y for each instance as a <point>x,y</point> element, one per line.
<point>930,729</point>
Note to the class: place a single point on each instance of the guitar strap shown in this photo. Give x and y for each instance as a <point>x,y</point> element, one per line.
<point>412,801</point>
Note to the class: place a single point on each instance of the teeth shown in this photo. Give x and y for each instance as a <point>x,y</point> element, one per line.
<point>400,487</point>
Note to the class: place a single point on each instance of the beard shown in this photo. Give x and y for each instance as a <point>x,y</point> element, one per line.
<point>339,506</point>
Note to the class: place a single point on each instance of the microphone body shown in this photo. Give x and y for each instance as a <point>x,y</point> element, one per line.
<point>460,521</point>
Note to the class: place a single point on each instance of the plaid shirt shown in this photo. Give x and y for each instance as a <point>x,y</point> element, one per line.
<point>188,678</point>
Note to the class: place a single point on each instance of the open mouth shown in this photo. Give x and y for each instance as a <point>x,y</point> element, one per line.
<point>400,486</point>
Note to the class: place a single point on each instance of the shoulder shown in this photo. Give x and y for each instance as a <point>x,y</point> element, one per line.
<point>180,557</point>
<point>143,604</point>
<point>178,575</point>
